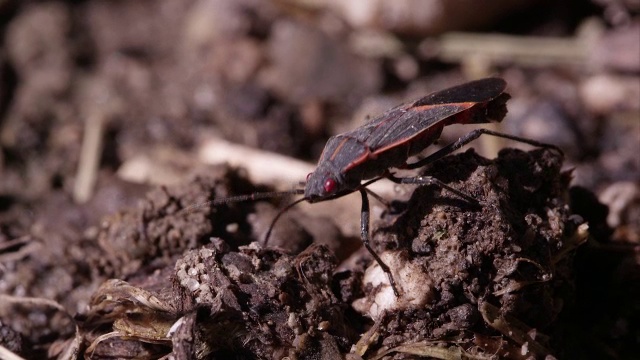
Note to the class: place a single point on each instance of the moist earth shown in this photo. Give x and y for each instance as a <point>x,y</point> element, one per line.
<point>486,278</point>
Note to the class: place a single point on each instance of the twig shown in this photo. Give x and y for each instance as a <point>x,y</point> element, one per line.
<point>521,50</point>
<point>89,158</point>
<point>7,354</point>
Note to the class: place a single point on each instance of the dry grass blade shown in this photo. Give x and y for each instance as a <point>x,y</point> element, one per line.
<point>7,354</point>
<point>117,291</point>
<point>527,51</point>
<point>7,301</point>
<point>137,315</point>
<point>514,329</point>
<point>72,348</point>
<point>578,238</point>
<point>425,348</point>
<point>368,338</point>
<point>25,245</point>
<point>92,348</point>
<point>89,158</point>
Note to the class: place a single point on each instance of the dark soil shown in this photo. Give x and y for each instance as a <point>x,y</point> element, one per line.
<point>111,247</point>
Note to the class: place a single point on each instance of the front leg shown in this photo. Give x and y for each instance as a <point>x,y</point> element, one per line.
<point>364,233</point>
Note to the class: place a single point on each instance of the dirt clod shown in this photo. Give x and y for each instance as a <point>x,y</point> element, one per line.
<point>508,252</point>
<point>170,221</point>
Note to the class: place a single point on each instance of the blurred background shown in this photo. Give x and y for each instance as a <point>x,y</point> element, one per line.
<point>101,98</point>
<point>103,84</point>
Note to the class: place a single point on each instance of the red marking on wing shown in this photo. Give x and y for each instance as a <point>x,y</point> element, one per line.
<point>423,120</point>
<point>464,105</point>
<point>338,148</point>
<point>366,155</point>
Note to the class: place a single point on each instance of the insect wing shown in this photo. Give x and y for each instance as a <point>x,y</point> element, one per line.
<point>475,91</point>
<point>402,124</point>
<point>411,124</point>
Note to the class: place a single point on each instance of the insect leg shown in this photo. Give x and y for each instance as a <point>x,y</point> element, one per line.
<point>392,207</point>
<point>429,180</point>
<point>382,200</point>
<point>469,138</point>
<point>364,232</point>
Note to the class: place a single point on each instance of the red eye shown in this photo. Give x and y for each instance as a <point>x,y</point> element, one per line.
<point>329,185</point>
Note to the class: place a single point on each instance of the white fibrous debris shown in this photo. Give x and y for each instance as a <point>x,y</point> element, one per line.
<point>413,283</point>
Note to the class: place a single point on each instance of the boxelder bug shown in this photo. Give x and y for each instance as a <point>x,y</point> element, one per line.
<point>387,141</point>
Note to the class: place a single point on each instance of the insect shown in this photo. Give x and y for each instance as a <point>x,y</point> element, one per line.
<point>353,160</point>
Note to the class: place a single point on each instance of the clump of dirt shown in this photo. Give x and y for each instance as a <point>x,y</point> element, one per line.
<point>174,219</point>
<point>488,279</point>
<point>460,267</point>
<point>252,303</point>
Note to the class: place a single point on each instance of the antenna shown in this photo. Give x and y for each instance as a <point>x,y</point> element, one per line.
<point>275,219</point>
<point>248,197</point>
<point>254,197</point>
